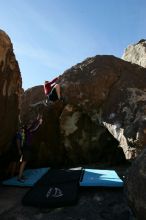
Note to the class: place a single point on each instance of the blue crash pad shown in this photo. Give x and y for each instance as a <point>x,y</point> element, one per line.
<point>104,178</point>
<point>32,176</point>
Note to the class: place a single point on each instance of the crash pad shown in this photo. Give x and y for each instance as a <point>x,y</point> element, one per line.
<point>96,177</point>
<point>31,177</point>
<point>57,188</point>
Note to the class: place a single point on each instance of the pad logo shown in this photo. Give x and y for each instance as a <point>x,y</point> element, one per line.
<point>54,192</point>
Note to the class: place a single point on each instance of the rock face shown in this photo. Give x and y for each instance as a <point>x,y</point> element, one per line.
<point>136,53</point>
<point>136,177</point>
<point>135,186</point>
<point>31,97</point>
<point>112,93</point>
<point>104,107</point>
<point>84,140</point>
<point>46,143</point>
<point>10,88</point>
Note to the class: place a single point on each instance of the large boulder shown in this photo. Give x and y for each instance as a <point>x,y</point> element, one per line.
<point>136,53</point>
<point>104,106</point>
<point>135,186</point>
<point>112,93</point>
<point>10,90</point>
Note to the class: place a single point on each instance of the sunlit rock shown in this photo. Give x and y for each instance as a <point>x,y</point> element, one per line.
<point>136,53</point>
<point>10,91</point>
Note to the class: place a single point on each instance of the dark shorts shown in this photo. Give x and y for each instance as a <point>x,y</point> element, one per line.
<point>53,95</point>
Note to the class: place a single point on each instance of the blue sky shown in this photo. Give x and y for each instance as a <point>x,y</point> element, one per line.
<point>50,36</point>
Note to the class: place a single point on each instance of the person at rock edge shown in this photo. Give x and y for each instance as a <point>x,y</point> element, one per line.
<point>29,130</point>
<point>16,153</point>
<point>52,90</point>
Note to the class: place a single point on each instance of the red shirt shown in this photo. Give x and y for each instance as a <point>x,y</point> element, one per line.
<point>48,86</point>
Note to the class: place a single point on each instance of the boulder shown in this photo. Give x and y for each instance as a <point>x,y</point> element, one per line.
<point>10,91</point>
<point>104,97</point>
<point>135,186</point>
<point>136,53</point>
<point>112,93</point>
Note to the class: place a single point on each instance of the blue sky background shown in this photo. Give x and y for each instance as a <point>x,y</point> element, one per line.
<point>50,36</point>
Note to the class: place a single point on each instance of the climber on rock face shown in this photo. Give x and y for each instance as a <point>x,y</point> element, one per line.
<point>29,130</point>
<point>52,90</point>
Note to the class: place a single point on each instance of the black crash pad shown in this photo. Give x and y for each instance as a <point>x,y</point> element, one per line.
<point>58,187</point>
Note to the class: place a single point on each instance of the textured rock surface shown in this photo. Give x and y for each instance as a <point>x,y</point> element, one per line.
<point>46,143</point>
<point>135,186</point>
<point>10,89</point>
<point>136,53</point>
<point>112,93</point>
<point>31,97</point>
<point>104,95</point>
<point>84,141</point>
